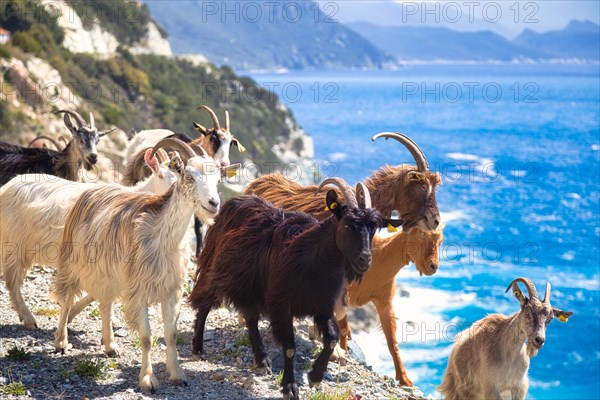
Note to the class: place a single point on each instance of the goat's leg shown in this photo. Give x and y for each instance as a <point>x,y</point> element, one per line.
<point>148,381</point>
<point>198,340</point>
<point>79,307</point>
<point>387,318</point>
<point>198,232</point>
<point>283,332</point>
<point>61,340</point>
<point>170,312</point>
<point>258,347</point>
<point>108,337</point>
<point>14,273</point>
<point>328,325</point>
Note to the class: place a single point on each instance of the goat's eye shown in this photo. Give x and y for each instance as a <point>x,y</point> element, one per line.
<point>189,178</point>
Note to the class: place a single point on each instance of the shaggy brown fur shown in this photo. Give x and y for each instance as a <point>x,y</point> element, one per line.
<point>399,188</point>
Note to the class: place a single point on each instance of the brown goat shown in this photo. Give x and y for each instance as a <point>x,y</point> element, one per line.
<point>406,188</point>
<point>390,254</point>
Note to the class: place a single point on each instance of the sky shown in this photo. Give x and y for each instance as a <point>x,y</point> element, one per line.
<point>506,17</point>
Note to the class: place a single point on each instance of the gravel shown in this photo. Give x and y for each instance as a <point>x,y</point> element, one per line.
<point>226,370</point>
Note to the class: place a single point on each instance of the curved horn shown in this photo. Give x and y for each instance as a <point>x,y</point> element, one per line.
<point>104,133</point>
<point>64,141</point>
<point>199,150</point>
<point>528,284</point>
<point>213,116</point>
<point>416,152</point>
<point>176,144</point>
<point>363,196</point>
<point>547,293</point>
<point>344,187</point>
<point>162,156</point>
<point>42,137</point>
<point>92,121</point>
<point>75,115</point>
<point>227,120</point>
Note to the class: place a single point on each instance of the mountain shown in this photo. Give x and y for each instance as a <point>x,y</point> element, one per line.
<point>123,74</point>
<point>265,35</point>
<point>577,40</point>
<point>424,43</point>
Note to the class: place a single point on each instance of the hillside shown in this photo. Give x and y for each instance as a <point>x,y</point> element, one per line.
<point>48,66</point>
<point>577,40</point>
<point>287,34</point>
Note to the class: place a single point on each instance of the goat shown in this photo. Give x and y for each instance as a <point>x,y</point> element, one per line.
<point>490,359</point>
<point>378,284</point>
<point>81,150</point>
<point>405,188</point>
<point>38,204</point>
<point>138,254</point>
<point>216,141</point>
<point>285,264</point>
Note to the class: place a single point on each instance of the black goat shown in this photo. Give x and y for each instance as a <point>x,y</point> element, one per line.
<point>284,264</point>
<point>81,150</point>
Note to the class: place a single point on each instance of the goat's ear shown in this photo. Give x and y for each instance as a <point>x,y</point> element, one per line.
<point>519,295</point>
<point>69,124</point>
<point>200,128</point>
<point>392,224</point>
<point>151,161</point>
<point>333,204</point>
<point>237,144</point>
<point>563,316</point>
<point>416,176</point>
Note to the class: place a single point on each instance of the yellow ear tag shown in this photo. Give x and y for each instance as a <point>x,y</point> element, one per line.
<point>331,207</point>
<point>562,318</point>
<point>241,148</point>
<point>391,228</point>
<point>231,173</point>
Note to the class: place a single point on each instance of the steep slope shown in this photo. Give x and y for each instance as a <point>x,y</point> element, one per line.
<point>265,35</point>
<point>128,90</point>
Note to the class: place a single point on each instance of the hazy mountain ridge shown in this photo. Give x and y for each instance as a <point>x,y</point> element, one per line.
<point>289,34</point>
<point>578,40</point>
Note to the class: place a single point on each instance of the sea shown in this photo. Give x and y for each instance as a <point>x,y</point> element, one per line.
<point>518,149</point>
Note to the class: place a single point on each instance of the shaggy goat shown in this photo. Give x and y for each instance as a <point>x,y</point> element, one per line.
<point>38,205</point>
<point>265,260</point>
<point>119,244</point>
<point>15,160</point>
<point>405,188</point>
<point>378,284</point>
<point>216,142</point>
<point>490,359</point>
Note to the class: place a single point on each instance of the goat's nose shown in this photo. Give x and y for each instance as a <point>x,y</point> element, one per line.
<point>93,158</point>
<point>539,341</point>
<point>436,222</point>
<point>433,267</point>
<point>365,258</point>
<point>224,164</point>
<point>214,203</point>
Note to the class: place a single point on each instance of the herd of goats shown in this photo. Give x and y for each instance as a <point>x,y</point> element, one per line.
<point>280,250</point>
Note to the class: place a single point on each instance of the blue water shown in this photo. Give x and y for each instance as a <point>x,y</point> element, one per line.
<point>518,147</point>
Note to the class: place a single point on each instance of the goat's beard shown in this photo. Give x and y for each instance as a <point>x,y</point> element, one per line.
<point>531,349</point>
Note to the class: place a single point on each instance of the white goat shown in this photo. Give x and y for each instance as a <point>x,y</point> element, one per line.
<point>32,214</point>
<point>119,244</point>
<point>490,360</point>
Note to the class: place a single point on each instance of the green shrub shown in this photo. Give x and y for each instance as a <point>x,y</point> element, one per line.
<point>26,42</point>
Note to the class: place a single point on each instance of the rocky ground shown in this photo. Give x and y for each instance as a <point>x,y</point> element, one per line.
<point>28,362</point>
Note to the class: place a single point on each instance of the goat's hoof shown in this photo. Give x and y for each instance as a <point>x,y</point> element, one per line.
<point>149,384</point>
<point>404,381</point>
<point>30,325</point>
<point>313,379</point>
<point>290,392</point>
<point>264,367</point>
<point>178,377</point>
<point>339,355</point>
<point>113,352</point>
